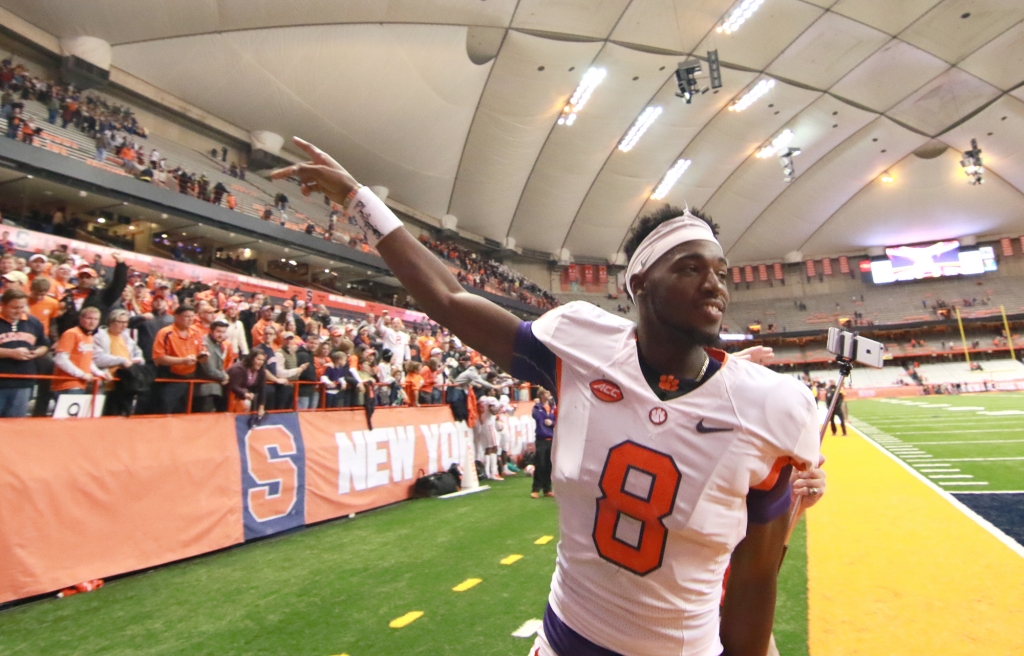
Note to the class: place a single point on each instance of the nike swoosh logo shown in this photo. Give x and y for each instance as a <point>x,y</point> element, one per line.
<point>701,428</point>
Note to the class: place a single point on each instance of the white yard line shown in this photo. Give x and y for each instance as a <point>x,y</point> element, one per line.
<point>963,483</point>
<point>992,492</point>
<point>980,459</point>
<point>959,505</point>
<point>950,476</point>
<point>972,442</point>
<point>959,432</point>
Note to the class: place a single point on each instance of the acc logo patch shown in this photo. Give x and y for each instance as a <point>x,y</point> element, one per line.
<point>658,415</point>
<point>606,390</point>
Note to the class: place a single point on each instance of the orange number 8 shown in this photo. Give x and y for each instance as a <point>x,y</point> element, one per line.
<point>645,555</point>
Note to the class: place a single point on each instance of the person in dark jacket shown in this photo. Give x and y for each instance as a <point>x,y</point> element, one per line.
<point>88,294</point>
<point>544,416</point>
<point>309,392</point>
<point>247,381</point>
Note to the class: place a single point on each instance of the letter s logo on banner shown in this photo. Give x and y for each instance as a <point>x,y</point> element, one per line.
<point>273,474</point>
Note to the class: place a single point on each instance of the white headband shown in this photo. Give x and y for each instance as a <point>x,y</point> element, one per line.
<point>664,238</point>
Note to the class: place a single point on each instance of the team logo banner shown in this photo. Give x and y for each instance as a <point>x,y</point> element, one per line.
<point>273,474</point>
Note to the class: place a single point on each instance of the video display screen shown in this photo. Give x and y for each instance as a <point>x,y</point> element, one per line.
<point>938,260</point>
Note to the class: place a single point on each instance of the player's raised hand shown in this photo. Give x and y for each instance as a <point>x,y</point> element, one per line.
<point>322,173</point>
<point>756,354</point>
<point>810,485</point>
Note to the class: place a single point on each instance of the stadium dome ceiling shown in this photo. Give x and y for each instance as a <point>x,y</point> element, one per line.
<point>453,105</point>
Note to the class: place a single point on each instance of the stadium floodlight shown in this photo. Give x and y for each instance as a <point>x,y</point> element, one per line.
<point>686,79</point>
<point>739,16</point>
<point>778,145</point>
<point>761,88</point>
<point>593,77</point>
<point>972,165</point>
<point>644,121</point>
<point>670,179</point>
<point>887,178</point>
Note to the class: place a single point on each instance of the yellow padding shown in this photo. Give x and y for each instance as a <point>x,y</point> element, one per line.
<point>508,560</point>
<point>466,585</point>
<point>406,620</point>
<point>544,540</point>
<point>894,569</point>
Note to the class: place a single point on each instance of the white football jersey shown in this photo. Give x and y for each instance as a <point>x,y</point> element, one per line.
<point>652,493</point>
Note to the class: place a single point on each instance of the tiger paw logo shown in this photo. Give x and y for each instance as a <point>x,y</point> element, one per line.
<point>606,390</point>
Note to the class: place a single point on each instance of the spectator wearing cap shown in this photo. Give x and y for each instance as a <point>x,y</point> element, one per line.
<point>15,280</point>
<point>73,355</point>
<point>210,396</point>
<point>23,342</point>
<point>39,265</point>
<point>177,349</point>
<point>62,279</point>
<point>236,329</point>
<point>87,294</point>
<point>114,349</point>
<point>387,377</point>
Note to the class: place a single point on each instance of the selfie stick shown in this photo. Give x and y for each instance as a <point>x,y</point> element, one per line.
<point>845,366</point>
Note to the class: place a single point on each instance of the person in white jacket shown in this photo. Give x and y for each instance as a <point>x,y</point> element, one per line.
<point>236,329</point>
<point>113,349</point>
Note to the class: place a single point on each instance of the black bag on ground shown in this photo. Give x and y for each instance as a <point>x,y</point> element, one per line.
<point>435,485</point>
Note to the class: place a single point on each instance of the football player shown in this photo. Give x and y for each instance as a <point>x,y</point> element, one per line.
<point>672,460</point>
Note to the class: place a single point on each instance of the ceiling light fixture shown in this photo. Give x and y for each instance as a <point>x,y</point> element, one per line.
<point>778,145</point>
<point>786,160</point>
<point>887,178</point>
<point>101,220</point>
<point>644,121</point>
<point>972,165</point>
<point>670,179</point>
<point>751,96</point>
<point>738,16</point>
<point>582,94</point>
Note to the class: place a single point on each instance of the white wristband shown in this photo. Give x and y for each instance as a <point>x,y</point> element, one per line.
<point>373,217</point>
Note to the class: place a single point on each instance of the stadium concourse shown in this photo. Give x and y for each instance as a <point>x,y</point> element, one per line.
<point>222,395</point>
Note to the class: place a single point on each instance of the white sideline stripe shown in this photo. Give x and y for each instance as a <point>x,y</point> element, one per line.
<point>937,471</point>
<point>528,628</point>
<point>950,476</point>
<point>932,464</point>
<point>958,432</point>
<point>963,483</point>
<point>959,505</point>
<point>462,493</point>
<point>981,459</point>
<point>972,442</point>
<point>966,408</point>
<point>992,492</point>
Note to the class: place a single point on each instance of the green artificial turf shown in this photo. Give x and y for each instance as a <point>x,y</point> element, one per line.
<point>333,589</point>
<point>986,448</point>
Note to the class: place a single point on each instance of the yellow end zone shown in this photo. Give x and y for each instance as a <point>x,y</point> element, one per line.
<point>894,568</point>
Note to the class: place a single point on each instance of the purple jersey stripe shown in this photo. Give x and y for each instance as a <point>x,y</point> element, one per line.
<point>532,361</point>
<point>765,505</point>
<point>567,642</point>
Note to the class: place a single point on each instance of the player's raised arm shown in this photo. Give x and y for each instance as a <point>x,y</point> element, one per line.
<point>478,322</point>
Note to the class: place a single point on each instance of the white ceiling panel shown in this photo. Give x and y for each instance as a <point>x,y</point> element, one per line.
<point>764,35</point>
<point>423,79</point>
<point>890,75</point>
<point>886,15</point>
<point>677,25</point>
<point>999,129</point>
<point>947,33</point>
<point>627,179</point>
<point>118,21</point>
<point>1000,62</point>
<point>817,130</point>
<point>593,18</point>
<point>827,51</point>
<point>251,14</point>
<point>822,190</point>
<point>517,110</point>
<point>929,200</point>
<point>943,101</point>
<point>729,140</point>
<point>573,155</point>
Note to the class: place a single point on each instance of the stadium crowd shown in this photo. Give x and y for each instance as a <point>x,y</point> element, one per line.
<point>116,132</point>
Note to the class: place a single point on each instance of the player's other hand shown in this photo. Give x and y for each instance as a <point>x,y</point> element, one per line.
<point>322,173</point>
<point>806,481</point>
<point>756,354</point>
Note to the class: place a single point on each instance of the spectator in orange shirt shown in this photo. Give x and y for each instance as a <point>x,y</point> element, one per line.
<point>430,394</point>
<point>73,355</point>
<point>62,280</point>
<point>426,342</point>
<point>39,267</point>
<point>412,383</point>
<point>266,319</point>
<point>176,350</point>
<point>41,305</point>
